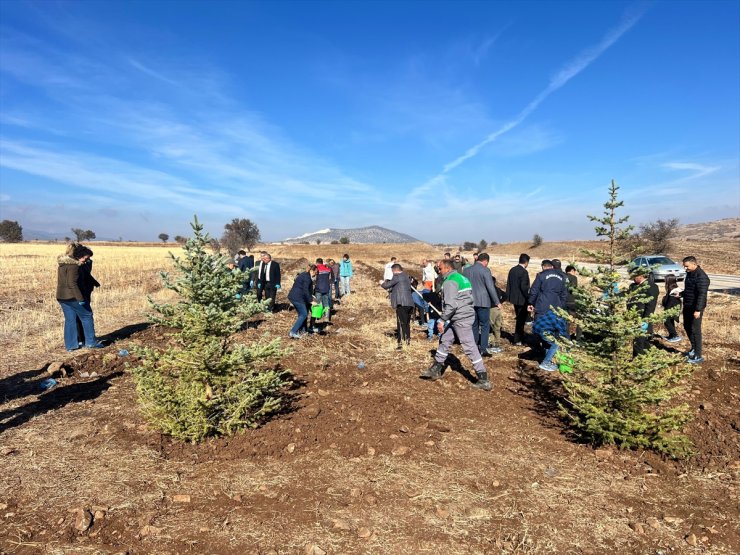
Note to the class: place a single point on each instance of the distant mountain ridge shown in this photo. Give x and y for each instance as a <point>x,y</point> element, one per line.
<point>371,234</point>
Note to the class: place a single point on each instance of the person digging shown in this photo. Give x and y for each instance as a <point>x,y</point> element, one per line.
<point>457,319</point>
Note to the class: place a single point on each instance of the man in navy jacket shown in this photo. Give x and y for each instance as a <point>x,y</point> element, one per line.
<point>548,292</point>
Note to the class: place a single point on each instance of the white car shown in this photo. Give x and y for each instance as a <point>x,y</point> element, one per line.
<point>660,266</point>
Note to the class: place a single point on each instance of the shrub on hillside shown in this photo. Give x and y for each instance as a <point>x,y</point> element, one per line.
<point>205,383</point>
<point>537,240</point>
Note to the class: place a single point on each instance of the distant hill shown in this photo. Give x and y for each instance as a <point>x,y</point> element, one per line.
<point>372,234</point>
<point>726,229</point>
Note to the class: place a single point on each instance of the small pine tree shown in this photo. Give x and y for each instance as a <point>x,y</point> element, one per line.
<point>613,397</point>
<point>164,237</point>
<point>205,383</point>
<point>537,240</point>
<point>344,240</point>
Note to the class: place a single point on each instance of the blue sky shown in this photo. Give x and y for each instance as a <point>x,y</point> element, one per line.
<point>448,121</point>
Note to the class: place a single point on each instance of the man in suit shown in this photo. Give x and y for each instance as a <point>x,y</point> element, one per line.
<point>399,287</point>
<point>517,291</point>
<point>268,279</point>
<point>484,297</point>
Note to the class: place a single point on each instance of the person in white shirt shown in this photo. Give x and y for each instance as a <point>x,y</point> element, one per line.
<point>388,273</point>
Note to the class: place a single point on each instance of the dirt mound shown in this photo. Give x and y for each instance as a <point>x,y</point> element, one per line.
<point>367,459</point>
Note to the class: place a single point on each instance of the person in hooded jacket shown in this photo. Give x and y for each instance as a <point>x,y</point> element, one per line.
<point>72,301</point>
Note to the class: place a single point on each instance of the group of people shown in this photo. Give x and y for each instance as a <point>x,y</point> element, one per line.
<point>312,293</point>
<point>693,296</point>
<point>454,299</point>
<point>469,307</point>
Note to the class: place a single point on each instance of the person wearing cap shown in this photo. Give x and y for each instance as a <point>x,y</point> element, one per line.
<point>548,293</point>
<point>645,300</point>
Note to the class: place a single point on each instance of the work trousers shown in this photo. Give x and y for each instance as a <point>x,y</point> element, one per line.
<point>497,322</point>
<point>463,329</point>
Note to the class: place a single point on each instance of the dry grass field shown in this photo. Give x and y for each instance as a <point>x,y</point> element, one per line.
<point>368,460</point>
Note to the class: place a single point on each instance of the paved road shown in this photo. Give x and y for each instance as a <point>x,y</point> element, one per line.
<point>720,283</point>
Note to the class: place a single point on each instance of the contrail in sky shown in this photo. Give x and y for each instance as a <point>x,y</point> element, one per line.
<point>570,70</point>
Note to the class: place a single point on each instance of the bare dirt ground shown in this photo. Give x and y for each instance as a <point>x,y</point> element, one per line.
<point>368,459</point>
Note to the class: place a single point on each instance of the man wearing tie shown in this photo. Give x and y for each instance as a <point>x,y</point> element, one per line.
<point>268,279</point>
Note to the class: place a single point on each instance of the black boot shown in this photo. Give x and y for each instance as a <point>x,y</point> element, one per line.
<point>434,372</point>
<point>483,382</point>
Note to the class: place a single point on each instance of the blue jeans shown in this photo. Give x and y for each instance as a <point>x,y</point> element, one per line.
<point>345,284</point>
<point>302,311</point>
<point>482,327</point>
<point>550,353</point>
<point>337,294</point>
<point>431,326</point>
<point>73,310</point>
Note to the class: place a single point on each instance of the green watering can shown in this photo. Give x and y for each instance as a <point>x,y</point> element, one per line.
<point>317,310</point>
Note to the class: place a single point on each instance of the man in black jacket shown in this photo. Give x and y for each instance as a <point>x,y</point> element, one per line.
<point>517,293</point>
<point>695,291</point>
<point>647,300</point>
<point>268,279</point>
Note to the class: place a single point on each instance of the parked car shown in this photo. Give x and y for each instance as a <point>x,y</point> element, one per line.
<point>660,266</point>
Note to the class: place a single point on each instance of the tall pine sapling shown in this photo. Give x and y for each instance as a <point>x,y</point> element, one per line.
<point>205,383</point>
<point>613,397</point>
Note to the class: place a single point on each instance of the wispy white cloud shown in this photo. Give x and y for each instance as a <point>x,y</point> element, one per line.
<point>696,170</point>
<point>151,73</point>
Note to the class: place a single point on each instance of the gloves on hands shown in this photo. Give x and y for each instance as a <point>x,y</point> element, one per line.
<point>277,286</point>
<point>644,326</point>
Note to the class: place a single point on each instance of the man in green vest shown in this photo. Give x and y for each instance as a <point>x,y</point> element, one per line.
<point>457,319</point>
